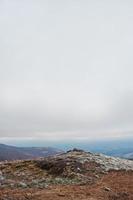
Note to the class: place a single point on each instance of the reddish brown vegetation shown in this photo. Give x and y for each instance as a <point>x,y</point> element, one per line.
<point>75,175</point>
<point>112,186</point>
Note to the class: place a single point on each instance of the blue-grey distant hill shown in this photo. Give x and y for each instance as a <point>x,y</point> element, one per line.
<point>19,153</point>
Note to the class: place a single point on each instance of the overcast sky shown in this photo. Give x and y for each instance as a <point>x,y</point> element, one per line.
<point>66,68</point>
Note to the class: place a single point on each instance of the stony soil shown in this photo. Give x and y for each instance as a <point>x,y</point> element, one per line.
<point>72,175</point>
<point>116,185</point>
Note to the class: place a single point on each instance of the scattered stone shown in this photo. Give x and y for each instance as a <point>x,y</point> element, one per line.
<point>1,176</point>
<point>97,176</point>
<point>61,195</point>
<point>35,182</point>
<point>107,189</point>
<point>74,167</point>
<point>22,184</point>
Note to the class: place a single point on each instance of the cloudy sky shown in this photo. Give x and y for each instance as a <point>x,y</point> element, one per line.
<point>66,68</point>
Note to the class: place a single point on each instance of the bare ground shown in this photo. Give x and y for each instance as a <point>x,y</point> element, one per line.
<point>116,185</point>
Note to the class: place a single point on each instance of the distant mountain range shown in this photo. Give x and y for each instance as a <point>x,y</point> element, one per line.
<point>19,153</point>
<point>126,152</point>
<point>122,149</point>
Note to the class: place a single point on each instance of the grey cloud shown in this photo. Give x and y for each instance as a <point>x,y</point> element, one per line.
<point>65,68</point>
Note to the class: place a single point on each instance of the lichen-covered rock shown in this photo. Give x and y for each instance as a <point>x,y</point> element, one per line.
<point>1,176</point>
<point>22,184</point>
<point>72,167</point>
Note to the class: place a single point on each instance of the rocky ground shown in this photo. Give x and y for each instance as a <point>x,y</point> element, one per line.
<point>72,175</point>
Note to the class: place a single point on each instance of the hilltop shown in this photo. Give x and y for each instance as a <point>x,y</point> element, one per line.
<point>72,175</point>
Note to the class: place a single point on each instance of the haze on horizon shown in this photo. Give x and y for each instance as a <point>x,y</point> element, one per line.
<point>66,69</point>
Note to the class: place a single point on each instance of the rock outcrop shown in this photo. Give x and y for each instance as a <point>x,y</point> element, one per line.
<point>73,171</point>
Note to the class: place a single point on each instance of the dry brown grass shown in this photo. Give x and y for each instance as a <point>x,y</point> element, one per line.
<point>120,184</point>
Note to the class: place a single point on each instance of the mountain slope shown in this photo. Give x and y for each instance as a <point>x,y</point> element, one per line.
<point>72,175</point>
<point>19,153</point>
